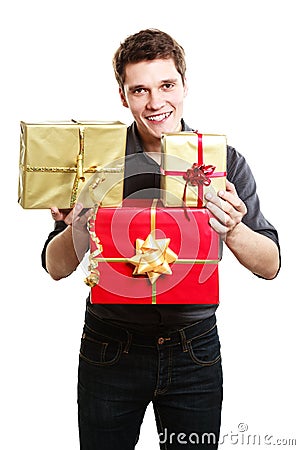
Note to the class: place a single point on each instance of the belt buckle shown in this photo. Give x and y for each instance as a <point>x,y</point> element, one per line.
<point>162,340</point>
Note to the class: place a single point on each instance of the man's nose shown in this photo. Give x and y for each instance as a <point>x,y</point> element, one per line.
<point>156,100</point>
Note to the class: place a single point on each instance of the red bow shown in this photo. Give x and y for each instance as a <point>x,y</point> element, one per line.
<point>197,175</point>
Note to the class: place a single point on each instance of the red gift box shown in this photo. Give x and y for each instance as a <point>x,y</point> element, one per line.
<point>183,262</point>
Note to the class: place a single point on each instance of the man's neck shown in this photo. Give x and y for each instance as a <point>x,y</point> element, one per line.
<point>153,145</point>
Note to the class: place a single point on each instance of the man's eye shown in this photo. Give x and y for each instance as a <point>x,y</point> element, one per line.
<point>139,91</point>
<point>168,86</point>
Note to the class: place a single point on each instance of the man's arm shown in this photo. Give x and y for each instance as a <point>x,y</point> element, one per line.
<point>65,251</point>
<point>254,251</point>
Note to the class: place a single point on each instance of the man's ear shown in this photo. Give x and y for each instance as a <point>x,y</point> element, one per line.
<point>123,98</point>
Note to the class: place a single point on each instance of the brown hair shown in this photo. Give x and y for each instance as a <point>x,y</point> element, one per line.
<point>147,45</point>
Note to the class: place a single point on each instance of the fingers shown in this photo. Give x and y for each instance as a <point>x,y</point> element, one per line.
<point>81,216</point>
<point>225,217</point>
<point>227,209</point>
<point>70,215</point>
<point>218,227</point>
<point>231,196</point>
<point>57,214</point>
<point>73,214</point>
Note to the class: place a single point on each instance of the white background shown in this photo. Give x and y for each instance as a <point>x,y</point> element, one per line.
<point>243,76</point>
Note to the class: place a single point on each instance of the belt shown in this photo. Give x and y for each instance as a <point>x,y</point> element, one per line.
<point>159,337</point>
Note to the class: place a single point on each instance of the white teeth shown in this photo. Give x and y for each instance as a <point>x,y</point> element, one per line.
<point>160,117</point>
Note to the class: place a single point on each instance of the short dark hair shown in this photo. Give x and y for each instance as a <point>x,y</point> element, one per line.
<point>147,45</point>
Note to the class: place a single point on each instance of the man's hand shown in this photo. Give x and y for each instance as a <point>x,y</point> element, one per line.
<point>253,250</point>
<point>68,248</point>
<point>78,215</point>
<point>60,214</point>
<point>228,210</point>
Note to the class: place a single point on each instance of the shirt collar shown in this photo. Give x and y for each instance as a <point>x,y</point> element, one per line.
<point>134,143</point>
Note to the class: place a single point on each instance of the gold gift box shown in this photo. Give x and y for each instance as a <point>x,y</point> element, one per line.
<point>179,152</point>
<point>60,160</point>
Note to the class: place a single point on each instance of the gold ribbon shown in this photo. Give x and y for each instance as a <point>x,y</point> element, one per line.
<point>153,256</point>
<point>79,168</point>
<point>93,278</point>
<point>100,179</point>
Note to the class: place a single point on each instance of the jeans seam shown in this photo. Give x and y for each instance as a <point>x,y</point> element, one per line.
<point>158,371</point>
<point>159,391</point>
<point>128,343</point>
<point>170,366</point>
<point>202,363</point>
<point>202,334</point>
<point>176,344</point>
<point>183,341</point>
<point>102,334</point>
<point>103,363</point>
<point>103,350</point>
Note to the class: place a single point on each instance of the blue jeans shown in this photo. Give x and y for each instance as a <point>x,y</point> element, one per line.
<point>121,372</point>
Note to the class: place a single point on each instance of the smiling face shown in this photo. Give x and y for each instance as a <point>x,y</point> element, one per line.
<point>154,92</point>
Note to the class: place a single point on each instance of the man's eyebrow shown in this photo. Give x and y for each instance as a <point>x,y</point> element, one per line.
<point>169,80</point>
<point>143,86</point>
<point>136,86</point>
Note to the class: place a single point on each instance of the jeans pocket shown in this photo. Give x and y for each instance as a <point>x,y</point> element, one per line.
<point>99,350</point>
<point>205,350</point>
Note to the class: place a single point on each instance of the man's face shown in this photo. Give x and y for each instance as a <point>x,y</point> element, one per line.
<point>154,92</point>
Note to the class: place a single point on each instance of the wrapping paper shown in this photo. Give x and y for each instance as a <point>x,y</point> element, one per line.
<point>180,151</point>
<point>58,159</point>
<point>194,247</point>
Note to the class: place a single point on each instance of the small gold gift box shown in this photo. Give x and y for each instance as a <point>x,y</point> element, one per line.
<point>59,159</point>
<point>192,164</point>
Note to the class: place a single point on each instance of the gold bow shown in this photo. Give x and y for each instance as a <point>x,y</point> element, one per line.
<point>153,257</point>
<point>93,278</point>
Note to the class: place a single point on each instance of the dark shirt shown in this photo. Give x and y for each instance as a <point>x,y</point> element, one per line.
<point>142,180</point>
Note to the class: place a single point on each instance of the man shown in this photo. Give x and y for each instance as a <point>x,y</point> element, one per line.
<point>169,355</point>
